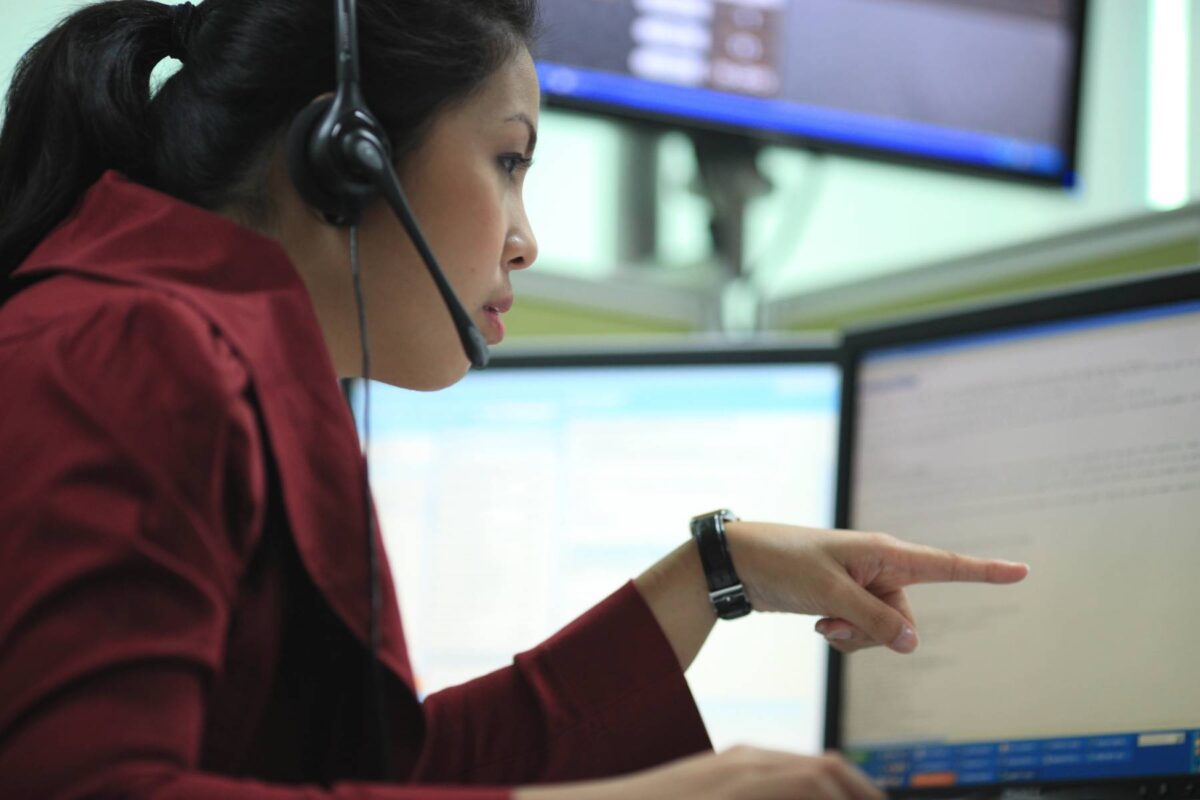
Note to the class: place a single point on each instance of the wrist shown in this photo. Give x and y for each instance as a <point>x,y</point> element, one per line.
<point>674,589</point>
<point>675,582</point>
<point>741,549</point>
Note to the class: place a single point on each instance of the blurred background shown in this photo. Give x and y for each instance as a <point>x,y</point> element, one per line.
<point>617,206</point>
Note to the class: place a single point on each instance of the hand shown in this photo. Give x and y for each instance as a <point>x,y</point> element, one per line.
<point>742,773</point>
<point>854,581</point>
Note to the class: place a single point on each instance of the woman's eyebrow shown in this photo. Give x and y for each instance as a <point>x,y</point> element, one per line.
<point>522,117</point>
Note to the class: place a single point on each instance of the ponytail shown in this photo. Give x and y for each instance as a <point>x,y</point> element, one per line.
<point>79,104</point>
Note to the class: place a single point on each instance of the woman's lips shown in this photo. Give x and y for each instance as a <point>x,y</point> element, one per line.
<point>502,306</point>
<point>492,313</point>
<point>495,326</point>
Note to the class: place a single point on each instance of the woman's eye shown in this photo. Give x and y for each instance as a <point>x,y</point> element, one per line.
<point>513,163</point>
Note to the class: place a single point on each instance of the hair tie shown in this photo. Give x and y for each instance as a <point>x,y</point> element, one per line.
<point>184,22</point>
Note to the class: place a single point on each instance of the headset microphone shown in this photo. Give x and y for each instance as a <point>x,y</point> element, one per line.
<point>340,160</point>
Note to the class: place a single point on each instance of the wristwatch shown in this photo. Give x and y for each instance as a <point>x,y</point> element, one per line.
<point>725,589</point>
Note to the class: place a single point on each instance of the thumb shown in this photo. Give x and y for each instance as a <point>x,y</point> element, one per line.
<point>875,618</point>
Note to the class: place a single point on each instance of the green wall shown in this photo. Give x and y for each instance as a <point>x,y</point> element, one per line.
<point>1174,254</point>
<point>531,317</point>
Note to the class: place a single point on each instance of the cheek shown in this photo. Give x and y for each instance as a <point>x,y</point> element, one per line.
<point>470,231</point>
<point>463,217</point>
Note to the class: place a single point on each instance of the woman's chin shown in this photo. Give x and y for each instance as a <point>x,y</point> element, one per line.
<point>431,378</point>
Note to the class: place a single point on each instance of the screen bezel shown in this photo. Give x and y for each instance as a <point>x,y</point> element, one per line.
<point>814,350</point>
<point>1158,288</point>
<point>1065,179</point>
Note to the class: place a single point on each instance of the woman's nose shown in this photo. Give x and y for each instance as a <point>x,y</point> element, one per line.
<point>520,250</point>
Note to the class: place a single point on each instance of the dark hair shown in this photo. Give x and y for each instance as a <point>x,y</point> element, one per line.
<point>80,101</point>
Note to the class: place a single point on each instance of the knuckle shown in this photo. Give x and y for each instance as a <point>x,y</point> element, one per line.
<point>742,756</point>
<point>958,566</point>
<point>879,538</point>
<point>829,763</point>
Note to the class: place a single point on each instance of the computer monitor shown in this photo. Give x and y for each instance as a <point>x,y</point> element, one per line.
<point>987,86</point>
<point>517,499</point>
<point>1064,432</point>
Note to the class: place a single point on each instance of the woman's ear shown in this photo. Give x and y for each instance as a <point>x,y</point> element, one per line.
<point>301,169</point>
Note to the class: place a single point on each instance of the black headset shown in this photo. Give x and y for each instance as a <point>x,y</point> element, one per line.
<point>340,161</point>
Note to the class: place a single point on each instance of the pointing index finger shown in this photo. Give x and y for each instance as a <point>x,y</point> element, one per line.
<point>931,565</point>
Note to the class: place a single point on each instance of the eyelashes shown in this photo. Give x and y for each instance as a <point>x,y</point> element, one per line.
<point>514,163</point>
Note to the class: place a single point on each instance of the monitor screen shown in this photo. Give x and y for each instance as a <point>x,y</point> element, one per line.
<point>986,85</point>
<point>1072,444</point>
<point>517,499</point>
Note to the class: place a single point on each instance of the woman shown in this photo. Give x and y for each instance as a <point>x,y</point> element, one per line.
<point>182,612</point>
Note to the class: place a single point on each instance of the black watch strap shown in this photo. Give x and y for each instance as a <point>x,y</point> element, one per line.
<point>725,589</point>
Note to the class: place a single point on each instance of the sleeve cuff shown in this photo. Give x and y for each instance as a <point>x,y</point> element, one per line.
<point>621,686</point>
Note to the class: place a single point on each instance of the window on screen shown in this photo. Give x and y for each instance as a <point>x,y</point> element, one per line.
<point>519,498</point>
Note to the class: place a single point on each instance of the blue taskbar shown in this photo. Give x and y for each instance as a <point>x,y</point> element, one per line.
<point>972,148</point>
<point>1124,755</point>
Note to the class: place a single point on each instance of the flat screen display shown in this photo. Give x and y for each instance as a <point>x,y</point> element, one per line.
<point>517,499</point>
<point>989,86</point>
<point>1072,445</point>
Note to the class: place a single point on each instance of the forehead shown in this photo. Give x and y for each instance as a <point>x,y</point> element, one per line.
<point>511,89</point>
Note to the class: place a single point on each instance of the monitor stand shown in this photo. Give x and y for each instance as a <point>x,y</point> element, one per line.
<point>729,180</point>
<point>728,177</point>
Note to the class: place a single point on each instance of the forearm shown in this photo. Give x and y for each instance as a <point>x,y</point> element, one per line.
<point>676,592</point>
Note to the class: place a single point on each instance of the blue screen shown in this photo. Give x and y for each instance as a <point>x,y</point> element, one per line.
<point>987,84</point>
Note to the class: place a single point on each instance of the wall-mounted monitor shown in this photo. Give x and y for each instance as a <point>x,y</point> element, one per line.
<point>986,86</point>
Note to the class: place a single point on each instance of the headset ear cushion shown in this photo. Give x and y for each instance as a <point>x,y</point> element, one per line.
<point>305,177</point>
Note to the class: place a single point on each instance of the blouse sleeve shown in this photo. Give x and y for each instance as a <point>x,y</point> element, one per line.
<point>604,696</point>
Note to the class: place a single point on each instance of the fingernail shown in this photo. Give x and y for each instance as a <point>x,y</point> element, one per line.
<point>839,635</point>
<point>906,642</point>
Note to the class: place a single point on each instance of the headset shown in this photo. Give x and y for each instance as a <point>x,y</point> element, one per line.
<point>340,161</point>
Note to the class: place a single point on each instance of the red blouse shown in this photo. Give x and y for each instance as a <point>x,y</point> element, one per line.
<point>183,579</point>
